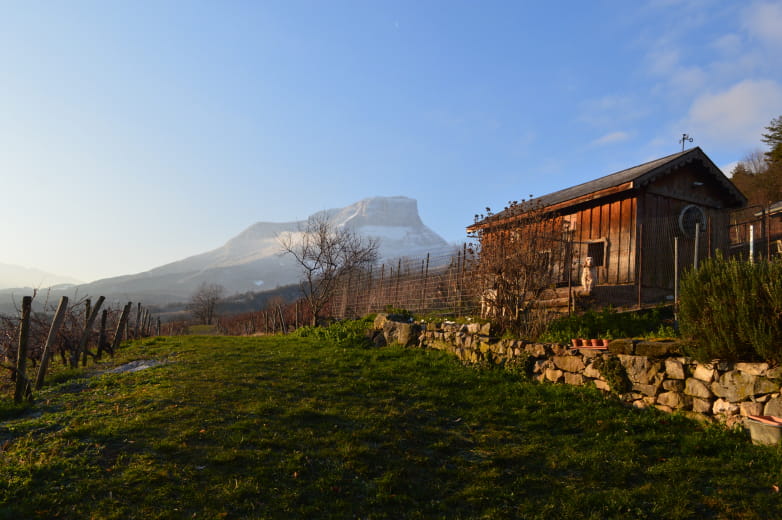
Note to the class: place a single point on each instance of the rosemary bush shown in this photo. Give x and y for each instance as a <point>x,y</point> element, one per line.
<point>732,310</point>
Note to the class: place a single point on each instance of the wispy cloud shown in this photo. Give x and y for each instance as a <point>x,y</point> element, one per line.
<point>613,137</point>
<point>727,169</point>
<point>763,20</point>
<point>736,115</point>
<point>607,111</point>
<point>728,44</point>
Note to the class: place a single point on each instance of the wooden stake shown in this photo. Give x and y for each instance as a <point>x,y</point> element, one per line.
<point>138,321</point>
<point>59,315</point>
<point>21,353</point>
<point>102,335</point>
<point>85,337</point>
<point>123,322</point>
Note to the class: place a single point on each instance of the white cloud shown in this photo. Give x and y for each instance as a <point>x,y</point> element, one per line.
<point>727,169</point>
<point>763,20</point>
<point>663,61</point>
<point>688,79</point>
<point>613,137</point>
<point>728,44</point>
<point>609,110</point>
<point>735,116</point>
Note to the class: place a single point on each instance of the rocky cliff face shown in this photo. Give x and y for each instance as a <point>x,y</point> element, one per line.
<point>393,220</point>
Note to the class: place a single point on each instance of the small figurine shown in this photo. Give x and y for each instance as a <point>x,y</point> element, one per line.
<point>588,276</point>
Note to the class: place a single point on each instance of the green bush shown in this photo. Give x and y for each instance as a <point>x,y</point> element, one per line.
<point>608,323</point>
<point>398,313</point>
<point>732,310</point>
<point>614,373</point>
<point>351,333</point>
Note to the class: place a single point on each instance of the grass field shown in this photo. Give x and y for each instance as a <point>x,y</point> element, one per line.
<point>283,427</point>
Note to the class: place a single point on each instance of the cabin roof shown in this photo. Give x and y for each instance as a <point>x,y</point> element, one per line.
<point>631,178</point>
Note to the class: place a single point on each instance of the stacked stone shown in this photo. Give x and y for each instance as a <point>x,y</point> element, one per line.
<point>657,373</point>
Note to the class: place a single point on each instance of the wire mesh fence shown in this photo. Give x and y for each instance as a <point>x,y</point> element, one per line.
<point>640,272</point>
<point>435,283</point>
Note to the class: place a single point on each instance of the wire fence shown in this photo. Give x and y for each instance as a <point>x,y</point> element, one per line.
<point>433,283</point>
<point>638,271</point>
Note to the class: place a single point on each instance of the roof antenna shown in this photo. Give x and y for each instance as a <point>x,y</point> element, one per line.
<point>685,138</point>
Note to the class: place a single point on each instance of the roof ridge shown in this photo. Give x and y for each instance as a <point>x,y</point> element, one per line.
<point>640,172</point>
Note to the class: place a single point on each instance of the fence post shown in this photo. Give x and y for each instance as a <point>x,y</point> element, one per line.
<point>398,279</point>
<point>21,353</point>
<point>676,281</point>
<point>426,282</point>
<point>87,310</point>
<point>102,334</point>
<point>138,321</point>
<point>752,243</point>
<point>382,286</point>
<point>569,261</point>
<point>640,273</point>
<point>767,232</point>
<point>59,315</point>
<point>123,322</point>
<point>460,280</point>
<point>85,337</point>
<point>369,292</point>
<point>697,245</point>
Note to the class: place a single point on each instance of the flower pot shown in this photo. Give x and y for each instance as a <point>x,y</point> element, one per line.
<point>764,429</point>
<point>606,342</point>
<point>576,342</point>
<point>596,342</point>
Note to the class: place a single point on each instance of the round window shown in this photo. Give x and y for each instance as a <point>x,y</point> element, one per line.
<point>690,216</point>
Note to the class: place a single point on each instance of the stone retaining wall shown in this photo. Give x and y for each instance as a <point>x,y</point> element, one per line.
<point>648,373</point>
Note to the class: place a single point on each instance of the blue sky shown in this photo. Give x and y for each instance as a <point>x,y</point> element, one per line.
<point>137,133</point>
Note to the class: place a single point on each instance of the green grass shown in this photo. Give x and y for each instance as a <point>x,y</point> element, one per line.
<point>286,427</point>
<point>202,330</point>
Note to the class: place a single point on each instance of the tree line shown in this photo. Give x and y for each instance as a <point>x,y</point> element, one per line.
<point>759,174</point>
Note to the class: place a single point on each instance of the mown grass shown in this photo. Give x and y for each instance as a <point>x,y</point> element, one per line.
<point>285,427</point>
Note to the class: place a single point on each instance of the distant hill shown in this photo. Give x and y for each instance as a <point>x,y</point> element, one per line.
<point>18,276</point>
<point>252,260</point>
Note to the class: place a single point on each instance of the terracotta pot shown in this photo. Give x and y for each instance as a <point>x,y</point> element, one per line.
<point>576,342</point>
<point>597,342</point>
<point>606,342</point>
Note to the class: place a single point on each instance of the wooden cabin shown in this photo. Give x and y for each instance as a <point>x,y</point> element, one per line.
<point>628,223</point>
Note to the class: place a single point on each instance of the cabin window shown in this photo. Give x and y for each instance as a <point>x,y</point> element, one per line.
<point>689,217</point>
<point>597,250</point>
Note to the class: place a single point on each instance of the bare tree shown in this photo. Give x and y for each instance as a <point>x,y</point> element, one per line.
<point>204,301</point>
<point>326,255</point>
<point>521,255</point>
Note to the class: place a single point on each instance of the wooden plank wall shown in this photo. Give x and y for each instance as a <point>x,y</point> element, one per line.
<point>614,222</point>
<point>661,226</point>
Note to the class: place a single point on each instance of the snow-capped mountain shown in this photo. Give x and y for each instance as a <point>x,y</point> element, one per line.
<point>393,220</point>
<point>253,260</point>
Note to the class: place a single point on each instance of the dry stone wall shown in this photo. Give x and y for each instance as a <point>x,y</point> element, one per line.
<point>644,373</point>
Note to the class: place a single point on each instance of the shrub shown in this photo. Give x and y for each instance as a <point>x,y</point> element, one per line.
<point>732,310</point>
<point>351,333</point>
<point>398,313</point>
<point>614,373</point>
